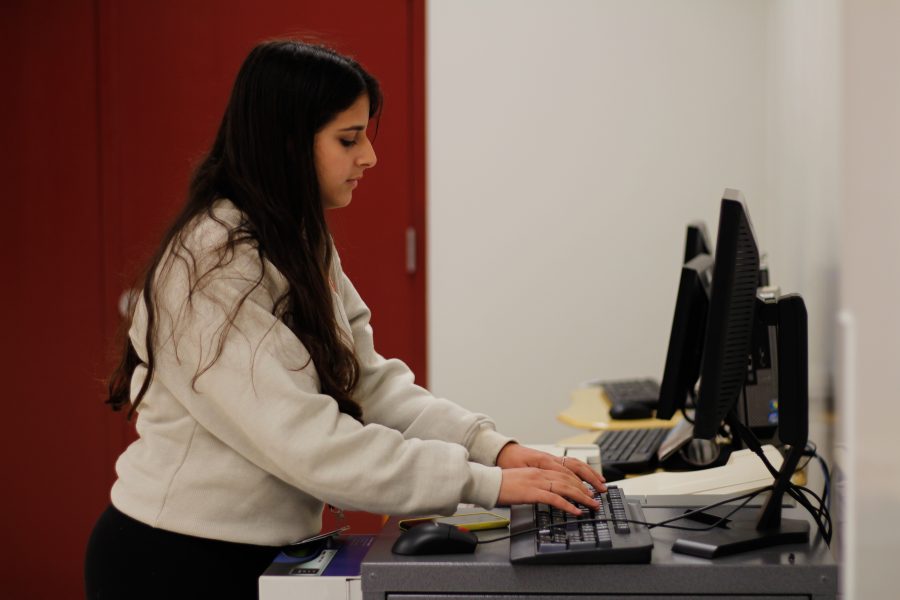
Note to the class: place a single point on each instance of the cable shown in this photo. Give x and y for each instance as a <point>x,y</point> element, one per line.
<point>792,490</point>
<point>826,531</point>
<point>746,405</point>
<point>603,520</point>
<point>826,472</point>
<point>825,501</point>
<point>748,497</point>
<point>821,515</point>
<point>825,527</point>
<point>809,452</point>
<point>666,523</point>
<point>812,452</point>
<point>824,513</point>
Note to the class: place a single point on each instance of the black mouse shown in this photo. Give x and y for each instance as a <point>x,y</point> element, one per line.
<point>630,410</point>
<point>435,538</point>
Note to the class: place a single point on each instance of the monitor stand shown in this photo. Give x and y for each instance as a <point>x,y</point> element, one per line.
<point>788,315</point>
<point>749,532</point>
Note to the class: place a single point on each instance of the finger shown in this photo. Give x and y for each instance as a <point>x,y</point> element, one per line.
<point>553,463</point>
<point>579,466</point>
<point>576,493</point>
<point>586,473</point>
<point>557,501</point>
<point>543,478</point>
<point>558,469</point>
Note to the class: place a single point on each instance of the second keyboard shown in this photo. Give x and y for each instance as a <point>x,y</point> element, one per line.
<point>630,450</point>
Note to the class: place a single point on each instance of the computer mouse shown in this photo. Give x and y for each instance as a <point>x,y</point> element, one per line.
<point>435,538</point>
<point>630,410</point>
<point>308,550</point>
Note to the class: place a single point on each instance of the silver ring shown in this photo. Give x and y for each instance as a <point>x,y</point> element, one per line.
<point>551,487</point>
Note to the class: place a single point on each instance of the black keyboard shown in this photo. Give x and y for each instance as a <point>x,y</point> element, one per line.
<point>642,391</point>
<point>630,450</point>
<point>564,538</point>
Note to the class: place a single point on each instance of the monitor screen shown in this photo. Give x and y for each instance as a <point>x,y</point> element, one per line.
<point>686,339</point>
<point>732,309</point>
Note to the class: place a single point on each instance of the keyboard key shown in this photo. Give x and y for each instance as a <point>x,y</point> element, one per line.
<point>582,545</point>
<point>549,547</point>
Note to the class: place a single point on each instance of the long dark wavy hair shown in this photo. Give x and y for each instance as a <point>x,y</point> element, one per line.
<point>262,160</point>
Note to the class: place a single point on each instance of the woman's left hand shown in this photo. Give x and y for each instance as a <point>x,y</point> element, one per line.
<point>514,456</point>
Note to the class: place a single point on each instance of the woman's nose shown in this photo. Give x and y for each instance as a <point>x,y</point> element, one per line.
<point>368,159</point>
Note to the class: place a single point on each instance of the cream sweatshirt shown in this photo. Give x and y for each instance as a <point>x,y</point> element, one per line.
<point>249,450</point>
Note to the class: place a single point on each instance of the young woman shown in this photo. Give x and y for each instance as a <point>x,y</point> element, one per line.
<point>251,364</point>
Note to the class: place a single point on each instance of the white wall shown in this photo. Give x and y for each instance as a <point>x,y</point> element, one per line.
<point>802,153</point>
<point>561,135</point>
<point>870,296</point>
<point>568,145</point>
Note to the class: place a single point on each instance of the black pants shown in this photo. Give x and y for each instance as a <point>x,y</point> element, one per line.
<point>129,559</point>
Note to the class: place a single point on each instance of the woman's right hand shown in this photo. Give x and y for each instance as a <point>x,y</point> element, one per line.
<point>530,485</point>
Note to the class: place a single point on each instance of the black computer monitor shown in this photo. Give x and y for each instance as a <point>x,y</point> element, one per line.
<point>733,312</point>
<point>696,241</point>
<point>729,327</point>
<point>685,351</point>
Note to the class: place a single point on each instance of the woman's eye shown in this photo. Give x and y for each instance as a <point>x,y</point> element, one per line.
<point>348,143</point>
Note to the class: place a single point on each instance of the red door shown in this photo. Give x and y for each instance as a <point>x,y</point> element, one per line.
<point>166,70</point>
<point>107,104</point>
<point>56,463</point>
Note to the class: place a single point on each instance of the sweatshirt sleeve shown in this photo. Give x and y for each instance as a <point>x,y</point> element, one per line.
<point>389,396</point>
<point>261,397</point>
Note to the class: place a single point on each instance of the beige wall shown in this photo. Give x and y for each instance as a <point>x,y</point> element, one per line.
<point>870,296</point>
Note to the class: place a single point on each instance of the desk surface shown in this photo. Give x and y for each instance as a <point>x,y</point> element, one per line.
<point>589,409</point>
<point>795,571</point>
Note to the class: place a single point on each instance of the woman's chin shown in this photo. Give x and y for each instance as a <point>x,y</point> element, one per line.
<point>343,202</point>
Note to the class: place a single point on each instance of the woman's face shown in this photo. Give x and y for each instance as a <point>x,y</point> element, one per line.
<point>342,152</point>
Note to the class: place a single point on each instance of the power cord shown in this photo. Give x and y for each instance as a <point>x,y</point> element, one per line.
<point>820,515</point>
<point>811,452</point>
<point>692,397</point>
